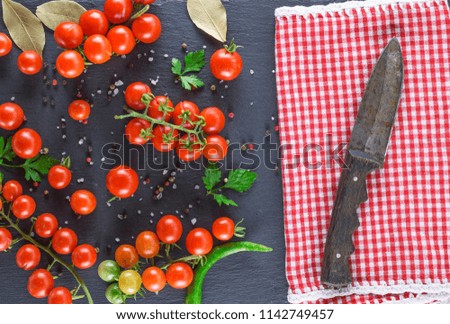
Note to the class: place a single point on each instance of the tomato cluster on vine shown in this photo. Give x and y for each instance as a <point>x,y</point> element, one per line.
<point>178,273</point>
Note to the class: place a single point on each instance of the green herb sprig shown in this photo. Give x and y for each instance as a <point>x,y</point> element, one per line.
<point>193,62</point>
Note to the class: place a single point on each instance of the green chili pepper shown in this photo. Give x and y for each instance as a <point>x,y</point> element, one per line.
<point>194,291</point>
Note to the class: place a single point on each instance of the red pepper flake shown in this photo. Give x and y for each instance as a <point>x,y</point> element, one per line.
<point>88,159</point>
<point>250,146</point>
<point>84,122</point>
<point>35,184</point>
<point>231,115</point>
<point>276,128</point>
<point>55,82</point>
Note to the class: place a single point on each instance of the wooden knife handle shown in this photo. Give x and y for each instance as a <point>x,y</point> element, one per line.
<point>352,191</point>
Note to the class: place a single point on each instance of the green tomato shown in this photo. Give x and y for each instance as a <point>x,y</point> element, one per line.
<point>114,295</point>
<point>109,271</point>
<point>130,282</point>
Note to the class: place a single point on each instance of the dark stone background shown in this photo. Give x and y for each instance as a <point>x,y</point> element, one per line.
<point>242,278</point>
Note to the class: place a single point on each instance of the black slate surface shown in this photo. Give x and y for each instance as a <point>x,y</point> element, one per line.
<point>242,278</point>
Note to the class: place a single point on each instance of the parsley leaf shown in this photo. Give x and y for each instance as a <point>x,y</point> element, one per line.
<point>222,200</point>
<point>193,62</point>
<point>176,66</point>
<point>191,82</point>
<point>212,177</point>
<point>240,180</point>
<point>37,166</point>
<point>6,152</point>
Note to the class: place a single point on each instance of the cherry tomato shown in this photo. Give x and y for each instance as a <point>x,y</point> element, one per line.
<point>29,62</point>
<point>79,110</point>
<point>134,93</point>
<point>60,295</point>
<point>46,225</point>
<point>11,116</point>
<point>28,257</point>
<point>11,190</point>
<point>190,152</point>
<point>118,11</point>
<point>133,131</point>
<point>64,241</point>
<point>144,2</point>
<point>169,229</point>
<point>147,244</point>
<point>214,120</point>
<point>187,108</point>
<point>5,44</point>
<point>40,283</point>
<point>114,295</point>
<point>165,138</point>
<point>126,256</point>
<point>23,207</point>
<point>223,228</point>
<point>68,35</point>
<point>94,22</point>
<point>147,28</point>
<point>199,241</point>
<point>154,279</point>
<point>108,271</point>
<point>59,177</point>
<point>83,202</point>
<point>97,49</point>
<point>226,65</point>
<point>5,239</point>
<point>70,64</point>
<point>130,282</point>
<point>216,148</point>
<point>121,39</point>
<point>26,143</point>
<point>161,108</point>
<point>84,256</point>
<point>179,275</point>
<point>122,181</point>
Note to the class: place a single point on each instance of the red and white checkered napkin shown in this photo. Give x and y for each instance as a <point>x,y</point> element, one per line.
<point>324,59</point>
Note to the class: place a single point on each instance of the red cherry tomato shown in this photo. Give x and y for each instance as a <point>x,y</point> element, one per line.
<point>126,256</point>
<point>68,35</point>
<point>223,228</point>
<point>147,28</point>
<point>169,229</point>
<point>11,190</point>
<point>23,207</point>
<point>64,241</point>
<point>79,110</point>
<point>199,241</point>
<point>214,120</point>
<point>165,138</point>
<point>5,44</point>
<point>59,177</point>
<point>60,295</point>
<point>147,244</point>
<point>28,257</point>
<point>161,108</point>
<point>122,181</point>
<point>83,202</point>
<point>70,64</point>
<point>84,256</point>
<point>29,62</point>
<point>189,152</point>
<point>226,65</point>
<point>134,93</point>
<point>5,239</point>
<point>216,148</point>
<point>46,225</point>
<point>40,283</point>
<point>154,279</point>
<point>11,116</point>
<point>187,108</point>
<point>133,131</point>
<point>179,275</point>
<point>97,49</point>
<point>26,143</point>
<point>118,11</point>
<point>94,22</point>
<point>121,39</point>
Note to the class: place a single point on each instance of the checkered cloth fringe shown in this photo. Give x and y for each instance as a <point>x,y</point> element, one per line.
<point>324,57</point>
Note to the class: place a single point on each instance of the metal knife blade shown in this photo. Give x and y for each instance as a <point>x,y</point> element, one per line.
<point>366,153</point>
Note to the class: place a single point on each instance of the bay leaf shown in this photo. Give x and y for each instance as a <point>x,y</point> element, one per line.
<point>210,16</point>
<point>53,13</point>
<point>25,28</point>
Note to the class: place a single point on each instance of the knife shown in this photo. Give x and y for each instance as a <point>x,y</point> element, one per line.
<point>366,153</point>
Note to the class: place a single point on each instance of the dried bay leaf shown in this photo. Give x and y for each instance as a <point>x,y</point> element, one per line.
<point>25,28</point>
<point>210,16</point>
<point>53,13</point>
